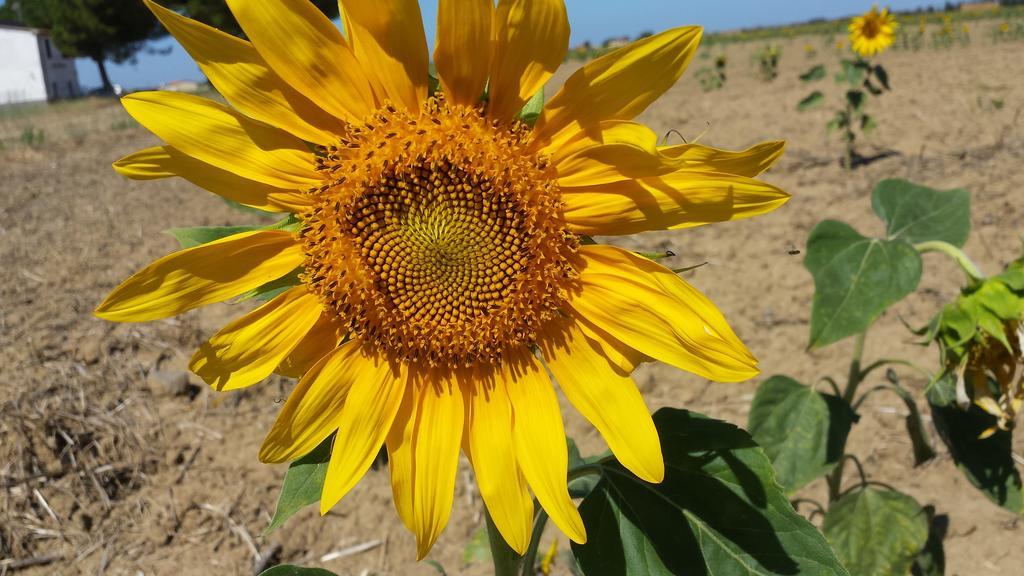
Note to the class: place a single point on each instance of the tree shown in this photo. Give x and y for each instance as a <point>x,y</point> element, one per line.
<point>98,29</point>
<point>216,13</point>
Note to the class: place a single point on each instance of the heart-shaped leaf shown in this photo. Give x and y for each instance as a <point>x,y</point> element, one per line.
<point>718,511</point>
<point>855,279</point>
<point>802,431</point>
<point>919,214</point>
<point>877,531</point>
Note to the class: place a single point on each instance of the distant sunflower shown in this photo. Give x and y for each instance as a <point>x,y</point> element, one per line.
<point>872,32</point>
<point>440,266</point>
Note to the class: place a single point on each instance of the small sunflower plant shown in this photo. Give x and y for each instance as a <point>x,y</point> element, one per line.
<point>870,34</point>
<point>974,394</point>
<point>435,277</point>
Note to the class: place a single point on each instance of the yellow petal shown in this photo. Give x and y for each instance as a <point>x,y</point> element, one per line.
<point>308,52</point>
<point>463,48</point>
<point>423,453</point>
<point>750,162</point>
<point>313,410</point>
<point>531,38</point>
<point>606,397</point>
<point>218,135</point>
<point>488,444</point>
<point>617,86</point>
<point>539,440</point>
<point>389,43</point>
<point>243,78</point>
<point>202,275</point>
<point>247,350</point>
<point>165,162</point>
<point>624,358</point>
<point>617,151</point>
<point>681,199</point>
<point>365,420</point>
<point>321,339</point>
<point>651,309</point>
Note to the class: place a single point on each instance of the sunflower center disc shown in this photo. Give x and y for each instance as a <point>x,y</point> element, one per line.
<point>438,237</point>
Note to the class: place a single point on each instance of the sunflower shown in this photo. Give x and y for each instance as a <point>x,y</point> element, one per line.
<point>438,259</point>
<point>872,32</point>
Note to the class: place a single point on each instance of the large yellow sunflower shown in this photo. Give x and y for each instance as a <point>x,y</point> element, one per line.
<point>872,32</point>
<point>443,271</point>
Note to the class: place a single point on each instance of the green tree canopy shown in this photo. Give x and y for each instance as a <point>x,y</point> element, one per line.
<point>98,29</point>
<point>216,13</point>
<point>116,29</point>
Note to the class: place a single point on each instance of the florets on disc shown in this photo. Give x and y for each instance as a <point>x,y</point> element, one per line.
<point>438,237</point>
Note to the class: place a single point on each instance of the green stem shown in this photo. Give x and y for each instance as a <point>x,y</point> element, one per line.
<point>855,375</point>
<point>958,256</point>
<point>506,560</point>
<point>897,362</point>
<point>530,559</point>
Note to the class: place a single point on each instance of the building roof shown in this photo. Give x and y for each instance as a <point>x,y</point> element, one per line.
<point>19,26</point>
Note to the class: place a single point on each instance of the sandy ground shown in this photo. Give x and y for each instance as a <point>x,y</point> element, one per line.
<point>110,463</point>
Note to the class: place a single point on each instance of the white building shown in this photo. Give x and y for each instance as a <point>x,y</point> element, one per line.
<point>31,67</point>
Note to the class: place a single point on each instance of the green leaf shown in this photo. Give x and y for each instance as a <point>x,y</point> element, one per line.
<point>433,83</point>
<point>987,463</point>
<point>813,99</point>
<point>580,487</point>
<point>802,431</point>
<point>851,73</point>
<point>436,566</point>
<point>877,531</point>
<point>303,484</point>
<point>855,279</point>
<point>478,549</point>
<point>856,99</point>
<point>192,237</point>
<point>718,511</point>
<point>917,213</point>
<point>815,73</point>
<point>274,288</point>
<point>867,124</point>
<point>288,570</point>
<point>531,111</point>
<point>882,75</point>
<point>932,560</point>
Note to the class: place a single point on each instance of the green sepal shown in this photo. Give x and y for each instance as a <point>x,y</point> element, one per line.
<point>303,484</point>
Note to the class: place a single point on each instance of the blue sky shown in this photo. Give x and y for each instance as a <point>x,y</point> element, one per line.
<point>592,20</point>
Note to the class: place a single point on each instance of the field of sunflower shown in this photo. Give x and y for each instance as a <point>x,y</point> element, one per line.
<point>433,264</point>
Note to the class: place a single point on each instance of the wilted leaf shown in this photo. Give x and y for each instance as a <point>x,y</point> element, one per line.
<point>718,511</point>
<point>877,531</point>
<point>802,431</point>
<point>855,279</point>
<point>917,213</point>
<point>303,484</point>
